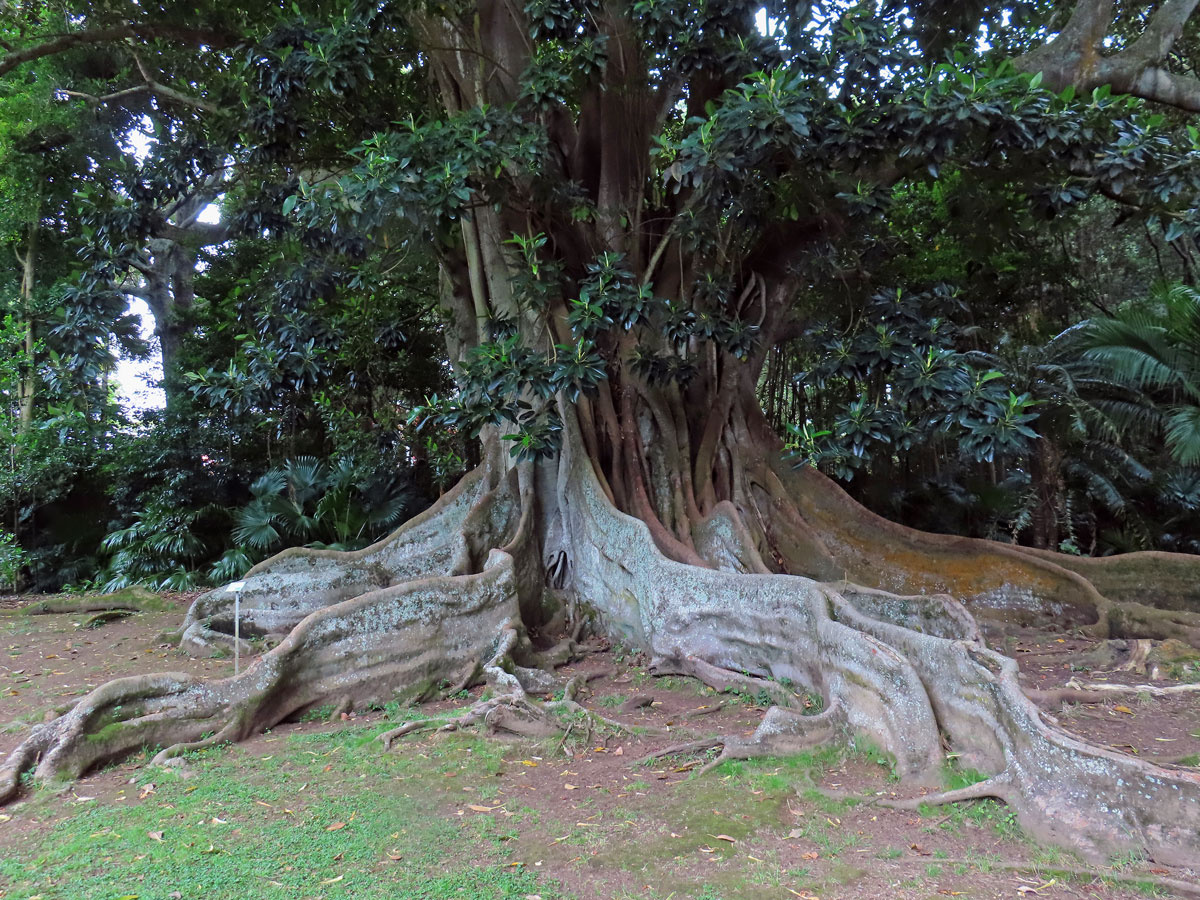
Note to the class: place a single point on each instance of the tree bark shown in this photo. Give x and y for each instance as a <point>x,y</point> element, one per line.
<point>168,275</point>
<point>28,383</point>
<point>1077,58</point>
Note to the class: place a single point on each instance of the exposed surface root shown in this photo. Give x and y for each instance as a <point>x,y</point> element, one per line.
<point>1148,595</point>
<point>437,605</point>
<point>511,711</point>
<point>1109,688</point>
<point>391,736</point>
<point>909,673</point>
<point>279,593</point>
<point>127,601</point>
<point>1171,885</point>
<point>687,748</point>
<point>987,788</point>
<point>724,679</point>
<point>1139,654</point>
<point>101,619</point>
<point>394,642</point>
<point>1054,696</point>
<point>780,733</point>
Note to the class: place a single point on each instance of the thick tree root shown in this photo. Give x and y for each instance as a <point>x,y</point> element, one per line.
<point>1154,690</point>
<point>124,602</point>
<point>403,637</point>
<point>1148,595</point>
<point>392,642</point>
<point>279,593</point>
<point>1054,696</point>
<point>908,673</point>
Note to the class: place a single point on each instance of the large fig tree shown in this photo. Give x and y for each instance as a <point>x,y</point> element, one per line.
<point>626,196</point>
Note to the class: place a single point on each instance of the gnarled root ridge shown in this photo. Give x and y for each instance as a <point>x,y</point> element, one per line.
<point>511,711</point>
<point>410,636</point>
<point>383,642</point>
<point>106,607</point>
<point>1151,594</point>
<point>280,592</point>
<point>909,673</point>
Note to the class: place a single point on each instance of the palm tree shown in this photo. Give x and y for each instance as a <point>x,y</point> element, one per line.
<point>1155,347</point>
<point>1078,460</point>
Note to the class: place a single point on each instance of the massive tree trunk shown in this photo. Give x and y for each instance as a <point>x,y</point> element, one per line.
<point>451,598</point>
<point>670,517</point>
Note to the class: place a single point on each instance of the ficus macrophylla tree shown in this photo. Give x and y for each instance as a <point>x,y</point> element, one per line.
<point>625,198</point>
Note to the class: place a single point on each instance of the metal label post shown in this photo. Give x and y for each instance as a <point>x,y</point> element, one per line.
<point>236,589</point>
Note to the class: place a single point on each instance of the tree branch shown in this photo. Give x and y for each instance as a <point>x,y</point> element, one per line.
<point>1162,32</point>
<point>162,90</point>
<point>107,98</point>
<point>138,291</point>
<point>65,42</point>
<point>1157,84</point>
<point>1074,56</point>
<point>195,234</point>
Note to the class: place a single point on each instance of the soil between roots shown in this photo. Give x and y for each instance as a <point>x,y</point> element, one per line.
<point>580,814</point>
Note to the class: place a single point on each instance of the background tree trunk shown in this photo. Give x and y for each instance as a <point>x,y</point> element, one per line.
<point>28,385</point>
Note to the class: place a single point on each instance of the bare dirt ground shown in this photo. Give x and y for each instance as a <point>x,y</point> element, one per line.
<point>580,812</point>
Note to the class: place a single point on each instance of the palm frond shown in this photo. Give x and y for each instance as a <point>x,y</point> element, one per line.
<point>269,485</point>
<point>1183,434</point>
<point>256,527</point>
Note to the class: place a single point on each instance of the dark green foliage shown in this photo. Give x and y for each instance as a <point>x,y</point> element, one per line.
<point>1155,347</point>
<point>941,222</point>
<point>307,502</point>
<point>174,545</point>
